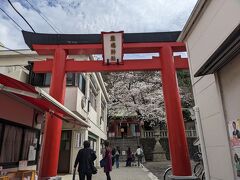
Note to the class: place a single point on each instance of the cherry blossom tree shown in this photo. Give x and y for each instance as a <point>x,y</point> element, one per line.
<point>140,94</point>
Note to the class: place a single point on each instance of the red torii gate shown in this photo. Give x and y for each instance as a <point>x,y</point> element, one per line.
<point>60,65</point>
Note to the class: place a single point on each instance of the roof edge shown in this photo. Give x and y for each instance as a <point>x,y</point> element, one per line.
<point>58,39</point>
<point>227,51</point>
<point>196,13</point>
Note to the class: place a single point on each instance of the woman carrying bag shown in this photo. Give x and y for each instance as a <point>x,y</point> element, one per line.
<point>106,162</point>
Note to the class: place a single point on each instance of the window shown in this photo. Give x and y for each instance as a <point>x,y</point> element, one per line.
<point>93,82</point>
<point>93,143</point>
<point>11,144</point>
<point>36,79</point>
<point>81,83</point>
<point>17,143</point>
<point>47,79</point>
<point>79,139</point>
<point>40,79</point>
<point>92,98</point>
<point>70,79</point>
<point>28,144</point>
<point>102,112</point>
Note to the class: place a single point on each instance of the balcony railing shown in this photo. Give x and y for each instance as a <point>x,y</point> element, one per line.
<point>164,134</point>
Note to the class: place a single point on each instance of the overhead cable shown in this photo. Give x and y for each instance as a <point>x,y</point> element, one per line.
<point>21,15</point>
<point>11,18</point>
<point>13,50</point>
<point>43,17</point>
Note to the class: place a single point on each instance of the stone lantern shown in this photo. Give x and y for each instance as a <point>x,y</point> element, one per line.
<point>158,152</point>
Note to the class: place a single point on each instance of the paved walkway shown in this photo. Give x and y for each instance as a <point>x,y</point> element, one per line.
<point>158,168</point>
<point>123,173</point>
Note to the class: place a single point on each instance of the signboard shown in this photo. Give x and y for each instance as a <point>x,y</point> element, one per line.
<point>32,153</point>
<point>112,47</point>
<point>22,165</point>
<point>78,140</point>
<point>234,135</point>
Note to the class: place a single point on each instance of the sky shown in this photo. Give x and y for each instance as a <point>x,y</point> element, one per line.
<point>92,16</point>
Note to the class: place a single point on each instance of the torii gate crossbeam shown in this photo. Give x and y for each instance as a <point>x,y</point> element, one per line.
<point>165,63</point>
<point>97,66</point>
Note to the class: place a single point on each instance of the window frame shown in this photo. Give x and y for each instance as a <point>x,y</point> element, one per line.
<point>73,83</point>
<point>103,108</point>
<point>7,165</point>
<point>42,77</point>
<point>93,97</point>
<point>82,86</point>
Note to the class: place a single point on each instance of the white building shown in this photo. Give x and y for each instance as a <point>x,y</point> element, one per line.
<point>86,96</point>
<point>212,36</point>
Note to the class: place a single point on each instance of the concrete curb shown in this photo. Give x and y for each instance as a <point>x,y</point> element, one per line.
<point>150,174</point>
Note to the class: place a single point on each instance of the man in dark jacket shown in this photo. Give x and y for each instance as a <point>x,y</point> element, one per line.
<point>85,161</point>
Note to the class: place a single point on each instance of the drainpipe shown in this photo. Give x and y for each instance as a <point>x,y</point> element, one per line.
<point>202,142</point>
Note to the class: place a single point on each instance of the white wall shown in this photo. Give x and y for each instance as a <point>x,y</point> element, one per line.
<point>74,149</point>
<point>229,77</point>
<point>18,73</point>
<point>214,26</point>
<point>73,96</point>
<point>209,31</point>
<point>73,100</point>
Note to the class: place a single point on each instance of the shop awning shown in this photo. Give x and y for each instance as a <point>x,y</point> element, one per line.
<point>39,98</point>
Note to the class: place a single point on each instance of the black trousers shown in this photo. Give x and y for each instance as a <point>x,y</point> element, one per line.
<point>108,175</point>
<point>128,162</point>
<point>83,175</point>
<point>139,160</point>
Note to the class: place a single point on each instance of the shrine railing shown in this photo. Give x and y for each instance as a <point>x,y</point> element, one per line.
<point>164,134</point>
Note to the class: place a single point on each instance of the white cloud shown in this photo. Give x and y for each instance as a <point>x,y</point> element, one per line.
<point>94,16</point>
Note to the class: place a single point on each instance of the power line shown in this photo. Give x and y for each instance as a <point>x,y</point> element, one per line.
<point>11,18</point>
<point>21,15</point>
<point>26,55</point>
<point>21,66</point>
<point>43,17</point>
<point>12,50</point>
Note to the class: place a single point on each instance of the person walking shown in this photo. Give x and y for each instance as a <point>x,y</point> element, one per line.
<point>117,155</point>
<point>113,156</point>
<point>129,157</point>
<point>139,154</point>
<point>108,160</point>
<point>122,132</point>
<point>85,162</point>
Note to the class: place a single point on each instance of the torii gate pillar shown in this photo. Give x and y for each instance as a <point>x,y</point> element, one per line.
<point>52,135</point>
<point>176,131</point>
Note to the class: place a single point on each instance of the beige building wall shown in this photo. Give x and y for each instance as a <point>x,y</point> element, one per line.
<point>9,65</point>
<point>12,63</point>
<point>73,98</point>
<point>209,30</point>
<point>229,78</point>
